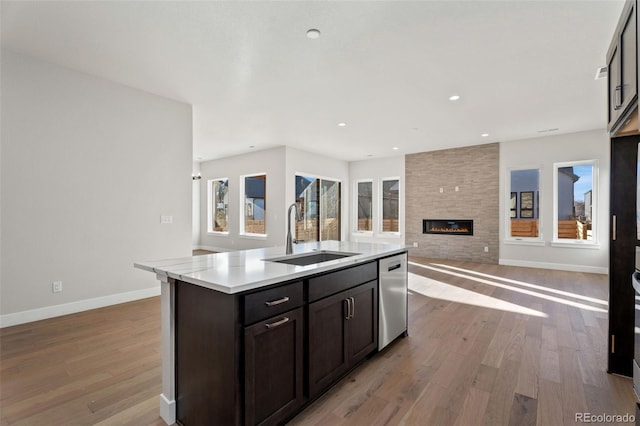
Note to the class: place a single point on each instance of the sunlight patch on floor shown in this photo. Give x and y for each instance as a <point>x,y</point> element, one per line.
<point>526,284</point>
<point>512,288</point>
<point>439,290</point>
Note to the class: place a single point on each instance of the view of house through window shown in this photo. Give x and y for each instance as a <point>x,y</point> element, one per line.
<point>319,204</point>
<point>524,203</point>
<point>365,206</point>
<point>390,205</point>
<point>219,208</point>
<point>575,199</point>
<point>254,205</point>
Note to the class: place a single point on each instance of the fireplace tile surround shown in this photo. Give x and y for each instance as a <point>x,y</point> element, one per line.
<point>454,183</point>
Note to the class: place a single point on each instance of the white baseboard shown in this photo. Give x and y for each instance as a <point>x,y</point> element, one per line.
<point>167,410</point>
<point>555,266</point>
<point>71,308</point>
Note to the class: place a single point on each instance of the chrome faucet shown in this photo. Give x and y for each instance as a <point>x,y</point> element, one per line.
<point>291,241</point>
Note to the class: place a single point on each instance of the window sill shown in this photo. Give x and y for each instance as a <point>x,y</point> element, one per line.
<point>575,244</point>
<point>254,236</point>
<point>389,235</point>
<point>218,233</point>
<point>525,242</point>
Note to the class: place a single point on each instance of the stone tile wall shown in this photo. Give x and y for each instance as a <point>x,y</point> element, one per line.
<point>475,171</point>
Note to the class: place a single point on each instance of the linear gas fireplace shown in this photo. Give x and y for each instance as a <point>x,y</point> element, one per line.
<point>447,226</point>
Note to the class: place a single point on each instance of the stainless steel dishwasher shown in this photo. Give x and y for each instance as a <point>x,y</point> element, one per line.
<point>392,300</point>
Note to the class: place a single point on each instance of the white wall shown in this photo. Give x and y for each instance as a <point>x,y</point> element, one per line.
<point>543,153</point>
<point>269,161</point>
<point>88,168</point>
<point>376,169</point>
<point>195,203</point>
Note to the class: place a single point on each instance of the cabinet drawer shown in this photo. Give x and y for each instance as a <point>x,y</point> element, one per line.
<point>334,282</point>
<point>274,301</point>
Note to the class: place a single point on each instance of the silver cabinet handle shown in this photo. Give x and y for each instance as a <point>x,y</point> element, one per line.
<point>618,98</point>
<point>277,323</point>
<point>348,309</point>
<point>614,232</point>
<point>394,267</point>
<point>353,307</point>
<point>277,302</point>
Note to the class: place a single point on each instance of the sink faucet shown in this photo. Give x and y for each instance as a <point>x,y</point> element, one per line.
<point>290,240</point>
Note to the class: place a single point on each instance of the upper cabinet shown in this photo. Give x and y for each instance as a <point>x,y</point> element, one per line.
<point>623,75</point>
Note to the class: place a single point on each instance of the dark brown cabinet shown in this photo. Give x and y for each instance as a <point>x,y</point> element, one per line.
<point>274,360</point>
<point>258,357</point>
<point>624,152</point>
<point>622,69</point>
<point>343,329</point>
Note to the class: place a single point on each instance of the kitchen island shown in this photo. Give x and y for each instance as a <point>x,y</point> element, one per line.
<point>250,337</point>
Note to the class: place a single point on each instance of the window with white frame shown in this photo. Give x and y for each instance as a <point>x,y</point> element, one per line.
<point>218,206</point>
<point>575,202</point>
<point>364,203</point>
<point>391,205</point>
<point>523,204</point>
<point>319,208</point>
<point>254,205</point>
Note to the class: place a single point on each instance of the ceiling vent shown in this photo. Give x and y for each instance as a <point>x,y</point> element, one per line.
<point>601,72</point>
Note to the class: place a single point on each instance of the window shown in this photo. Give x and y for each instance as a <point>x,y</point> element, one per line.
<point>575,201</point>
<point>390,205</point>
<point>364,194</point>
<point>523,204</point>
<point>254,202</point>
<point>319,207</point>
<point>219,205</point>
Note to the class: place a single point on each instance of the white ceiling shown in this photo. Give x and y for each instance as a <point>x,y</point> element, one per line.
<point>386,68</point>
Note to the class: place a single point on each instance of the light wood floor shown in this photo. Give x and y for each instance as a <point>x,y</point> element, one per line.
<point>487,345</point>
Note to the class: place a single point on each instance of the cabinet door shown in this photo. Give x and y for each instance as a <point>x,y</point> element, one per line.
<point>622,67</point>
<point>628,59</point>
<point>327,337</point>
<point>615,87</point>
<point>362,325</point>
<point>273,368</point>
<point>622,302</point>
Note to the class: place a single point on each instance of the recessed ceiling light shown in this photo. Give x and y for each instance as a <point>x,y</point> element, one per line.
<point>454,97</point>
<point>484,135</point>
<point>342,124</point>
<point>395,148</point>
<point>313,33</point>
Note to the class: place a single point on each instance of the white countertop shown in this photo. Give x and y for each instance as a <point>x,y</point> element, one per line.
<point>238,271</point>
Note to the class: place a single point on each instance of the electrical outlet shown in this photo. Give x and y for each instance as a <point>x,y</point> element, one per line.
<point>486,249</point>
<point>166,220</point>
<point>56,287</point>
<point>415,244</point>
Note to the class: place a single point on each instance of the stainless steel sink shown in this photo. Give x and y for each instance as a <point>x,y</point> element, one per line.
<point>311,258</point>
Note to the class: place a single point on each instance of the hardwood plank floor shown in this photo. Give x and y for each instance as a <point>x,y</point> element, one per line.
<point>487,345</point>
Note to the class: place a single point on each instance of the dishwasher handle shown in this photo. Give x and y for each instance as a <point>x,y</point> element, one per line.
<point>394,267</point>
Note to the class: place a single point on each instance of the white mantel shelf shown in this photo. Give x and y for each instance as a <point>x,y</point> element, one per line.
<point>239,271</point>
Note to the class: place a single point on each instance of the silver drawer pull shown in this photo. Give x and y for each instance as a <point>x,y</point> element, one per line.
<point>277,302</point>
<point>277,323</point>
